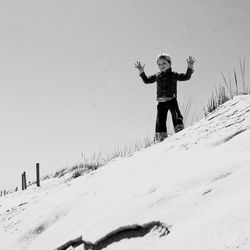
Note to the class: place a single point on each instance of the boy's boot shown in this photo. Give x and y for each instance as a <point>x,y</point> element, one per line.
<point>157,137</point>
<point>160,136</point>
<point>180,125</point>
<point>178,128</point>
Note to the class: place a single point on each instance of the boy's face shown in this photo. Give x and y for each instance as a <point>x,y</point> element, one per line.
<point>163,64</point>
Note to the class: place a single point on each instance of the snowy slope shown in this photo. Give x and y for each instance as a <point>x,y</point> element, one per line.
<point>196,184</point>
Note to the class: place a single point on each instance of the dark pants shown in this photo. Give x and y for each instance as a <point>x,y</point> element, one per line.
<point>178,112</point>
<point>162,112</point>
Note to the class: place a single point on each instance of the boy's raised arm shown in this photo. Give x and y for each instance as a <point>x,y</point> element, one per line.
<point>190,62</point>
<point>139,67</point>
<point>190,70</point>
<point>146,79</point>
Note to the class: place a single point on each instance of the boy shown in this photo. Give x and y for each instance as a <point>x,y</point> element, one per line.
<point>166,93</point>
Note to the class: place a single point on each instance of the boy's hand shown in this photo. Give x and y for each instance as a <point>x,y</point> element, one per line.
<point>139,66</point>
<point>190,62</point>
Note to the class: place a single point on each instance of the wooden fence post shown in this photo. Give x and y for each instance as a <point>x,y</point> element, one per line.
<point>24,181</point>
<point>38,175</point>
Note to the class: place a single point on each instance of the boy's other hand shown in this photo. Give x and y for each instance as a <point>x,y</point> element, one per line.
<point>139,66</point>
<point>190,62</point>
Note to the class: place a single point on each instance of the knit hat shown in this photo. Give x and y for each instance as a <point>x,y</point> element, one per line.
<point>165,57</point>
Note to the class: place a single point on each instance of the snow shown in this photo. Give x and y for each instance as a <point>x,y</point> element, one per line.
<point>196,182</point>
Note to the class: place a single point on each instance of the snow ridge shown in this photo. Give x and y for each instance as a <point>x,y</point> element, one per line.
<point>126,232</point>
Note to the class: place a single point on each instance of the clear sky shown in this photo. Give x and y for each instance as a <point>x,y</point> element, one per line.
<point>68,86</point>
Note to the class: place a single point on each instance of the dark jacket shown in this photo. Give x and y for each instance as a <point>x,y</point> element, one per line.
<point>167,81</point>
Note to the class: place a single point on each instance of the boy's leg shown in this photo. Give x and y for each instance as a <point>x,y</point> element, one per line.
<point>176,116</point>
<point>178,112</point>
<point>160,127</point>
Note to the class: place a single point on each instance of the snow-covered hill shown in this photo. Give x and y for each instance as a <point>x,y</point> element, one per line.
<point>190,192</point>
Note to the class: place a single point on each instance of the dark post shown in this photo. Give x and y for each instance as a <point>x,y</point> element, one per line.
<point>4,192</point>
<point>1,193</point>
<point>38,175</point>
<point>24,181</point>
